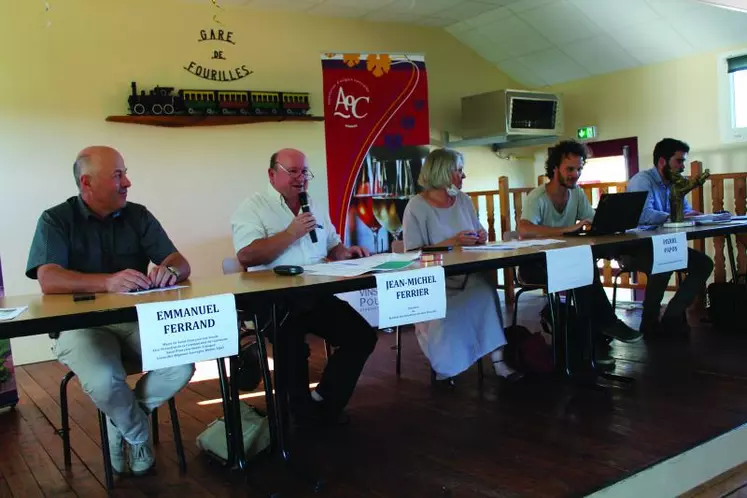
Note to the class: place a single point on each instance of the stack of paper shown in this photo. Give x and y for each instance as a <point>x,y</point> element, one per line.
<point>512,244</point>
<point>11,313</point>
<point>357,267</point>
<point>712,219</point>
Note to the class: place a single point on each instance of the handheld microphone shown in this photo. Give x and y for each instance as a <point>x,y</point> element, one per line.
<point>303,198</point>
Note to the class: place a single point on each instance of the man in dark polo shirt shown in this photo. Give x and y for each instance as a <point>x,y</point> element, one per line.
<point>98,242</point>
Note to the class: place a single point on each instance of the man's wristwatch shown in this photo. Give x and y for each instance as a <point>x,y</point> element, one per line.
<point>173,271</point>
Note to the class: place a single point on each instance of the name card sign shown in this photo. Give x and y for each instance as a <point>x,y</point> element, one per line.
<point>365,302</point>
<point>569,268</point>
<point>670,252</point>
<point>411,296</point>
<point>187,331</point>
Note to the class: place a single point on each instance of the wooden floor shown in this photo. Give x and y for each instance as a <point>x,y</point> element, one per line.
<point>407,438</point>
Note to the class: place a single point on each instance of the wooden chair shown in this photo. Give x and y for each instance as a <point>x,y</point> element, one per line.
<point>519,285</point>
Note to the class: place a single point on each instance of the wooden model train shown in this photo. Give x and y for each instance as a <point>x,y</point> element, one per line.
<point>163,101</point>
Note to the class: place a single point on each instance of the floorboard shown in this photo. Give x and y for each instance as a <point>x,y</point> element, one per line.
<point>409,438</point>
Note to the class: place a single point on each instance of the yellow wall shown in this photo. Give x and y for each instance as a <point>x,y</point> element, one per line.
<point>673,99</point>
<point>58,83</point>
<point>677,99</point>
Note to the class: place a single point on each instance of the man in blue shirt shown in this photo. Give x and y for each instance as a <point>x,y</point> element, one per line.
<point>670,156</point>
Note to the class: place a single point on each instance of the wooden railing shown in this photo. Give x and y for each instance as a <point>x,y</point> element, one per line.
<point>517,195</point>
<point>511,199</point>
<point>738,205</point>
<point>489,196</point>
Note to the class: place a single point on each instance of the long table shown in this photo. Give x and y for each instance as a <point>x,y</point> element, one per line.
<point>57,313</point>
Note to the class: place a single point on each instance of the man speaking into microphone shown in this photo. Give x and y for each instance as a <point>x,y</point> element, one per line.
<point>282,226</point>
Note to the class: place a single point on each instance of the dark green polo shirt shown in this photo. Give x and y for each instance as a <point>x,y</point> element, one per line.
<point>71,236</point>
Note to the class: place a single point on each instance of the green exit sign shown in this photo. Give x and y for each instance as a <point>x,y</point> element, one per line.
<point>586,132</point>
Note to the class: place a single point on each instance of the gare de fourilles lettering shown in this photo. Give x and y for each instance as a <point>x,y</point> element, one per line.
<point>192,311</point>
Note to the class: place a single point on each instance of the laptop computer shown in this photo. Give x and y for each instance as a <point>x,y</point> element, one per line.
<point>615,213</point>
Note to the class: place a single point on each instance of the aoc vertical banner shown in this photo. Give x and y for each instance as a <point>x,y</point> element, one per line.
<point>377,131</point>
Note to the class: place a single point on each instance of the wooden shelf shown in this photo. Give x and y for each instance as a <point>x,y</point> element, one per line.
<point>182,121</point>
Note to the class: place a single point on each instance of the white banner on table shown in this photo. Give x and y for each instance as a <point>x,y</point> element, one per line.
<point>365,302</point>
<point>670,252</point>
<point>569,268</point>
<point>411,296</point>
<point>187,331</point>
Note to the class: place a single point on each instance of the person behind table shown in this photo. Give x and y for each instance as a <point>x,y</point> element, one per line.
<point>97,241</point>
<point>670,156</point>
<point>443,215</point>
<point>557,207</point>
<point>270,229</point>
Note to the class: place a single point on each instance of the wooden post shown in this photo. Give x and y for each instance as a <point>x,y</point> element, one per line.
<point>717,195</point>
<point>698,204</point>
<point>490,206</point>
<point>504,221</point>
<point>518,206</point>
<point>740,206</point>
<point>504,202</point>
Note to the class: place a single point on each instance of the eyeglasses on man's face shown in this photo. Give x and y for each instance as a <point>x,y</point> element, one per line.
<point>295,173</point>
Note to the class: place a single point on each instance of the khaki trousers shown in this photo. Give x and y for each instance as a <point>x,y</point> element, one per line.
<point>101,358</point>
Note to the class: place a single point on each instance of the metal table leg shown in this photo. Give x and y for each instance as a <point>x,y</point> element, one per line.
<point>283,410</point>
<point>584,372</point>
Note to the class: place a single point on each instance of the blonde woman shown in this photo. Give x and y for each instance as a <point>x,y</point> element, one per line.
<point>443,215</point>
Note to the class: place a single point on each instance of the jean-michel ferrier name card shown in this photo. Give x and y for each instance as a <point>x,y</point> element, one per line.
<point>187,331</point>
<point>411,296</point>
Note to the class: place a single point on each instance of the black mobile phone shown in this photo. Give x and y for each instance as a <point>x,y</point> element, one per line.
<point>437,249</point>
<point>83,297</point>
<point>288,270</point>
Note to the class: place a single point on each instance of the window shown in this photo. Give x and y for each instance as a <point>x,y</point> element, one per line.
<point>733,96</point>
<point>605,170</point>
<point>739,87</point>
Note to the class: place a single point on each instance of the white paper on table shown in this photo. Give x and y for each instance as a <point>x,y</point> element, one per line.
<point>187,331</point>
<point>11,313</point>
<point>157,289</point>
<point>569,268</point>
<point>512,244</point>
<point>412,296</point>
<point>670,252</point>
<point>360,266</point>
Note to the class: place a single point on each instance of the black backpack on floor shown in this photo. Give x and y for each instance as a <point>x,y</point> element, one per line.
<point>726,303</point>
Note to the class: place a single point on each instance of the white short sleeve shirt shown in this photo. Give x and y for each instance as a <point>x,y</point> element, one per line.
<point>265,214</point>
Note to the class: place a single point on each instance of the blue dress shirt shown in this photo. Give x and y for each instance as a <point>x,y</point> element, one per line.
<point>656,210</point>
